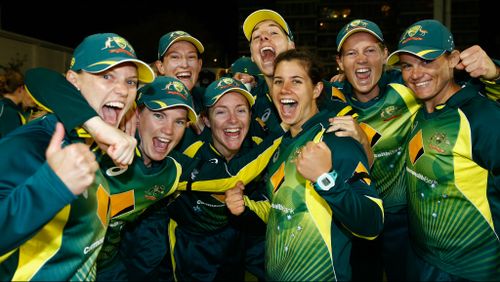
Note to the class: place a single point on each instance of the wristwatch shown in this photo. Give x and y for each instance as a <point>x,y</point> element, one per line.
<point>326,181</point>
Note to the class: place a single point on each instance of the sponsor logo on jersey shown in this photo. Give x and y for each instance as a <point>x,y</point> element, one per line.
<point>194,174</point>
<point>371,133</point>
<point>265,116</point>
<point>276,155</point>
<point>114,171</point>
<point>93,246</point>
<point>416,147</point>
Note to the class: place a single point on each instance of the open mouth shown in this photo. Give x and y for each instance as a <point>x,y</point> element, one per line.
<point>111,112</point>
<point>363,73</point>
<point>267,54</point>
<point>161,144</point>
<point>183,75</point>
<point>288,107</point>
<point>232,132</point>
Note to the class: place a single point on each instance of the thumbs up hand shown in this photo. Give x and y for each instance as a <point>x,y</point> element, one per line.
<point>75,164</point>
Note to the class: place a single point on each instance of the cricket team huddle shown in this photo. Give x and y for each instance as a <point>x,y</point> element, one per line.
<point>389,171</point>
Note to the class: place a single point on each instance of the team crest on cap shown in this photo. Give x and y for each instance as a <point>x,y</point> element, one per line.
<point>355,24</point>
<point>178,33</point>
<point>176,88</point>
<point>415,32</point>
<point>225,82</point>
<point>117,42</point>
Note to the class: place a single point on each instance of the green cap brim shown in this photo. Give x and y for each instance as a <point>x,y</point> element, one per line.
<point>245,93</point>
<point>187,38</point>
<point>355,30</point>
<point>144,72</point>
<point>425,53</point>
<point>158,105</point>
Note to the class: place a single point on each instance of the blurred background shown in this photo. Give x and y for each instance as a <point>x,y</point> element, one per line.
<point>44,33</point>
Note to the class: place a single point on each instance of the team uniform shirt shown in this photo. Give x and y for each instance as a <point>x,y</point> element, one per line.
<point>307,230</point>
<point>454,186</point>
<point>11,116</point>
<point>49,234</point>
<point>201,227</point>
<point>132,191</point>
<point>138,187</point>
<point>386,120</point>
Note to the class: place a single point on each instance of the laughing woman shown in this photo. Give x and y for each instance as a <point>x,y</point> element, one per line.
<point>319,187</point>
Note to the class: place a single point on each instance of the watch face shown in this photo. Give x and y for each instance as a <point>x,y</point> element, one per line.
<point>326,182</point>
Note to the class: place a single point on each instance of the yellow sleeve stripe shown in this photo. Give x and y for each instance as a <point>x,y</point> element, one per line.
<point>246,174</point>
<point>261,208</point>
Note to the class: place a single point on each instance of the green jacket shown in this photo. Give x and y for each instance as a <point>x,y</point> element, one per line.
<point>47,232</point>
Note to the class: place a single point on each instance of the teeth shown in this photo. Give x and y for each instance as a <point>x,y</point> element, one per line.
<point>267,49</point>
<point>362,70</point>
<point>164,140</point>
<point>422,84</point>
<point>232,130</point>
<point>119,105</point>
<point>183,74</point>
<point>287,101</point>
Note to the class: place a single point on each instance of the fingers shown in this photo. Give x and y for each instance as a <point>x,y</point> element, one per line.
<point>477,63</point>
<point>338,78</point>
<point>55,141</point>
<point>234,199</point>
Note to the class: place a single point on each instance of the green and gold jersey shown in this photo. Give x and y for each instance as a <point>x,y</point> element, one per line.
<point>203,212</point>
<point>386,121</point>
<point>138,187</point>
<point>132,191</point>
<point>308,230</point>
<point>49,234</point>
<point>453,163</point>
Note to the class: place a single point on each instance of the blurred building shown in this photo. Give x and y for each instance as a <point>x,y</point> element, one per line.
<point>315,23</point>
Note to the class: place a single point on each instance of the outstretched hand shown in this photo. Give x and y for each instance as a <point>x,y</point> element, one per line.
<point>75,164</point>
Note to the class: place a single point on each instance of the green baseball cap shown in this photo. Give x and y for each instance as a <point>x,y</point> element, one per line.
<point>426,39</point>
<point>170,38</point>
<point>222,86</point>
<point>101,51</point>
<point>166,92</point>
<point>261,15</point>
<point>244,65</point>
<point>358,25</point>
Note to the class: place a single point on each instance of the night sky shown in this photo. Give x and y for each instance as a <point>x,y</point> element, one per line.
<point>141,24</point>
